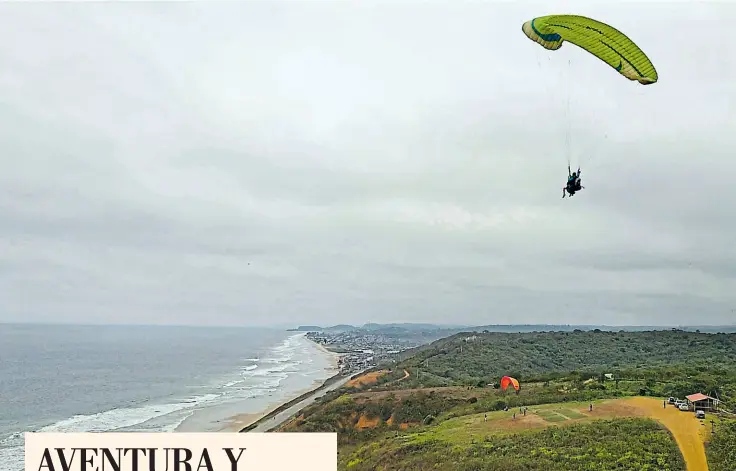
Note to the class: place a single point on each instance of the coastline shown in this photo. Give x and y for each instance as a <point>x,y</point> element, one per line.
<point>267,421</point>
<point>248,421</point>
<point>239,422</point>
<point>334,356</point>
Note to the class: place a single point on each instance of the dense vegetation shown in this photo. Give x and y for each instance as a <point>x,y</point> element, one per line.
<point>492,355</point>
<point>721,450</point>
<point>690,361</point>
<point>634,444</point>
<point>425,420</point>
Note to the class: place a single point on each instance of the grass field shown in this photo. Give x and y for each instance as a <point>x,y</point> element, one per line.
<point>471,443</point>
<point>688,432</point>
<point>572,414</point>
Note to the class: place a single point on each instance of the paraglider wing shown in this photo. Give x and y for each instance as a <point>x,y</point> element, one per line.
<point>506,380</point>
<point>603,41</point>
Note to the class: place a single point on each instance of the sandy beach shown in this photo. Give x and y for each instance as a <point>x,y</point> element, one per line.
<point>334,356</point>
<point>240,421</point>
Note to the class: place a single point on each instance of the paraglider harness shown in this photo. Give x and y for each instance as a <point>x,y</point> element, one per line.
<point>573,183</point>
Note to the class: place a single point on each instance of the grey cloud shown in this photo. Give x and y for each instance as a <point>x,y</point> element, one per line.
<point>263,163</point>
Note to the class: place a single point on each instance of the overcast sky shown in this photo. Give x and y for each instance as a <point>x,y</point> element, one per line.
<point>324,162</point>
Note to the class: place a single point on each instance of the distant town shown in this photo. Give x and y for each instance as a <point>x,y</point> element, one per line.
<point>372,345</point>
<point>364,349</point>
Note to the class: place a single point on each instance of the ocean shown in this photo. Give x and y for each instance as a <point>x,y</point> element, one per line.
<point>145,378</point>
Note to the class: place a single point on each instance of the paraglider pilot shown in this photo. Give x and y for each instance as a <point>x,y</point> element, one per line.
<point>573,182</point>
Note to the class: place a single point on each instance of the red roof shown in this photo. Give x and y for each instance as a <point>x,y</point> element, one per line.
<point>697,397</point>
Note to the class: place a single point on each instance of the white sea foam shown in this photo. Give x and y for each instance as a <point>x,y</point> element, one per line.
<point>261,377</point>
<point>11,448</point>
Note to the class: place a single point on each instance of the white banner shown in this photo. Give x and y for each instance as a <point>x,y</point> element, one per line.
<point>180,451</point>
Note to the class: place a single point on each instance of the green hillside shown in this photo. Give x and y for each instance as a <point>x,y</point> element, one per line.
<point>449,413</point>
<point>483,358</point>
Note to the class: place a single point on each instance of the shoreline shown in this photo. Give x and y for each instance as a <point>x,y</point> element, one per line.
<point>258,420</point>
<point>334,356</point>
<point>238,422</point>
<point>247,421</point>
<point>270,415</point>
<point>241,414</point>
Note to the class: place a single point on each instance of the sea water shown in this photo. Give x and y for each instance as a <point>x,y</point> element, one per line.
<point>115,378</point>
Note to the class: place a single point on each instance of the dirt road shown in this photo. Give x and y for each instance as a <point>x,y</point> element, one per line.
<point>683,425</point>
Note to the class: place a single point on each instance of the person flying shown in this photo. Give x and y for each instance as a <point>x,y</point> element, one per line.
<point>573,183</point>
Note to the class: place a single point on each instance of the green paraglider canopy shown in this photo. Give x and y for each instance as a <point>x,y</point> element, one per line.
<point>603,41</point>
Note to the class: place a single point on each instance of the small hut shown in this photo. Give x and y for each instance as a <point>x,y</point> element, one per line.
<point>702,402</point>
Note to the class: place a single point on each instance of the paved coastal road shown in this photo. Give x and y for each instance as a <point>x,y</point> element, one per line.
<point>285,414</point>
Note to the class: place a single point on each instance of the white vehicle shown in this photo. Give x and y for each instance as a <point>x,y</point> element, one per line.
<point>684,407</point>
<point>700,414</point>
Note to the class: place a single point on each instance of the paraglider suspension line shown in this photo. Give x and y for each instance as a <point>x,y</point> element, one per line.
<point>568,137</point>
